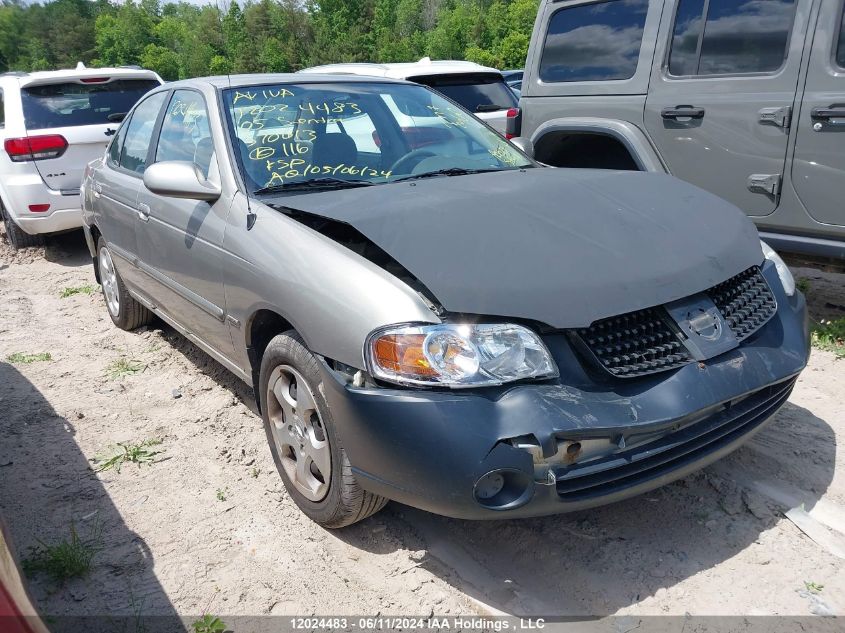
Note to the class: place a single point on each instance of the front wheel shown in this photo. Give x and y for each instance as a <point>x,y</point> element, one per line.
<point>303,440</point>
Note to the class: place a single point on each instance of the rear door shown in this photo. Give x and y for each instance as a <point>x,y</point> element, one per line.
<point>84,111</point>
<point>484,94</point>
<point>722,95</point>
<point>818,168</point>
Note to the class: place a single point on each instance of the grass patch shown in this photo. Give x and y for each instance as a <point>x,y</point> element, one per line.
<point>124,367</point>
<point>87,289</point>
<point>71,558</point>
<point>209,624</point>
<point>255,472</point>
<point>813,586</point>
<point>20,358</point>
<point>803,284</point>
<point>830,336</point>
<point>222,493</point>
<point>123,453</point>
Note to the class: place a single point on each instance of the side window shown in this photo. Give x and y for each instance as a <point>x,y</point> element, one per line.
<point>185,134</point>
<point>730,37</point>
<point>594,42</point>
<point>3,110</point>
<point>113,159</point>
<point>840,48</point>
<point>139,133</point>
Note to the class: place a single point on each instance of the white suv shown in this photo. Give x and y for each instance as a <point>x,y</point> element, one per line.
<point>480,89</point>
<point>52,124</point>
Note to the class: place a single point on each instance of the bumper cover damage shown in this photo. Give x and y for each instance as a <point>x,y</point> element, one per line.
<point>581,441</point>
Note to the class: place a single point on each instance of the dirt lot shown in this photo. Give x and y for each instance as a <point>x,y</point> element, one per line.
<point>209,528</point>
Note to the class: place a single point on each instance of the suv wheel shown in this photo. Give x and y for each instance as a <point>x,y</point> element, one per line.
<point>303,439</point>
<point>125,312</point>
<point>16,236</point>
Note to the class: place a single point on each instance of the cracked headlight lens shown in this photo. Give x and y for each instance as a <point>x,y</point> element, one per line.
<point>784,273</point>
<point>458,355</point>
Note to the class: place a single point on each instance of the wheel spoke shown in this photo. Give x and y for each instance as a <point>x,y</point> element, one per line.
<point>319,452</point>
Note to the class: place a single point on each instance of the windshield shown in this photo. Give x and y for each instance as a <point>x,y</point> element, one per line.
<point>70,104</point>
<point>296,135</point>
<point>477,93</point>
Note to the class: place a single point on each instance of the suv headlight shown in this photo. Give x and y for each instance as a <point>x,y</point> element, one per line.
<point>457,355</point>
<point>784,273</point>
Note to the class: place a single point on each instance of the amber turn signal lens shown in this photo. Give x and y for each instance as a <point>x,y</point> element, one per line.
<point>403,354</point>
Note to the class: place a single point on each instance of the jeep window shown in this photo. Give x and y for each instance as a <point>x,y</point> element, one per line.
<point>3,110</point>
<point>185,134</point>
<point>363,133</point>
<point>730,37</point>
<point>70,104</point>
<point>840,49</point>
<point>594,42</point>
<point>139,133</point>
<point>477,93</point>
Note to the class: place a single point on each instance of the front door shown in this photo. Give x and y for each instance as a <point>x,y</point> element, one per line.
<point>722,95</point>
<point>180,240</point>
<point>818,169</point>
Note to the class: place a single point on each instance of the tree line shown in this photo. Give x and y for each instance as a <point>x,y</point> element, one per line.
<point>181,40</point>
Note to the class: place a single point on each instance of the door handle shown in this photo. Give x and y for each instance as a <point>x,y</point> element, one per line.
<point>682,112</point>
<point>833,115</point>
<point>144,212</point>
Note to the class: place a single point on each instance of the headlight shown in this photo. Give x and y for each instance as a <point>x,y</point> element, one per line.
<point>785,275</point>
<point>458,355</point>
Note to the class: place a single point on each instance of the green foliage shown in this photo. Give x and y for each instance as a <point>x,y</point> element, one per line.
<point>830,336</point>
<point>123,367</point>
<point>123,452</point>
<point>180,40</point>
<point>67,559</point>
<point>21,358</point>
<point>69,291</point>
<point>209,624</point>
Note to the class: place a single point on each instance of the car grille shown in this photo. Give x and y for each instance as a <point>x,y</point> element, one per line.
<point>746,302</point>
<point>646,341</point>
<point>636,343</point>
<point>652,460</point>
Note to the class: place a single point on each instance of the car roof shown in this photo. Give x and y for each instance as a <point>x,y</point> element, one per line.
<point>423,67</point>
<point>244,81</point>
<point>81,72</point>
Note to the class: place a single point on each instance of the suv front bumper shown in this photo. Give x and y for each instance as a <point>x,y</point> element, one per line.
<point>432,449</point>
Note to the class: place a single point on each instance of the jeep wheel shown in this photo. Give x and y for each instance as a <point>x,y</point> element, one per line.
<point>16,236</point>
<point>303,440</point>
<point>125,312</point>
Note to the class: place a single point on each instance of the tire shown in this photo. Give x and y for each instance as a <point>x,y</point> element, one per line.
<point>16,236</point>
<point>333,499</point>
<point>124,310</point>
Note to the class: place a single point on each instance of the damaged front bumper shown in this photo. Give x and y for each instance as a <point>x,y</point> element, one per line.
<point>582,441</point>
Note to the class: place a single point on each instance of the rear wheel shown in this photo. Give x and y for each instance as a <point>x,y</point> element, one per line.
<point>124,310</point>
<point>303,440</point>
<point>16,236</point>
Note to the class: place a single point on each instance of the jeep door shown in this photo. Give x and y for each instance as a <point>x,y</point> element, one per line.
<point>722,94</point>
<point>180,240</point>
<point>117,182</point>
<point>818,167</point>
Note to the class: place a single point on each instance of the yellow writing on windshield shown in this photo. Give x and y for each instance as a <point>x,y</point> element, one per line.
<point>283,170</point>
<point>505,155</point>
<point>450,116</point>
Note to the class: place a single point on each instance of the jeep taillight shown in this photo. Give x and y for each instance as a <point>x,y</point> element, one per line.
<point>513,122</point>
<point>35,147</point>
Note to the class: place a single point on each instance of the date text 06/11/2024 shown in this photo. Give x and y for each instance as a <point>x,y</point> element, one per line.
<point>459,623</point>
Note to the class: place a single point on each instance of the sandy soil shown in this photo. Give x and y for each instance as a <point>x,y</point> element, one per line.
<point>209,527</point>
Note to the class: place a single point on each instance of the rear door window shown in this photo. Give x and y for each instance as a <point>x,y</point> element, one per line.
<point>185,134</point>
<point>730,37</point>
<point>139,133</point>
<point>594,42</point>
<point>74,103</point>
<point>475,92</point>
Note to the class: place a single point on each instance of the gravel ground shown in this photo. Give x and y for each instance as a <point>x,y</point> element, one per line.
<point>208,527</point>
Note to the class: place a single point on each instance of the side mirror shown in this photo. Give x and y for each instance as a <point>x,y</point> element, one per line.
<point>524,144</point>
<point>179,179</point>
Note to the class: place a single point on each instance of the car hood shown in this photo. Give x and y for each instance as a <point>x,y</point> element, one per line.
<point>563,247</point>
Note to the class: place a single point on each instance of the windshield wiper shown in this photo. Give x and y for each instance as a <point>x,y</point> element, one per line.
<point>451,171</point>
<point>489,107</point>
<point>315,183</point>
